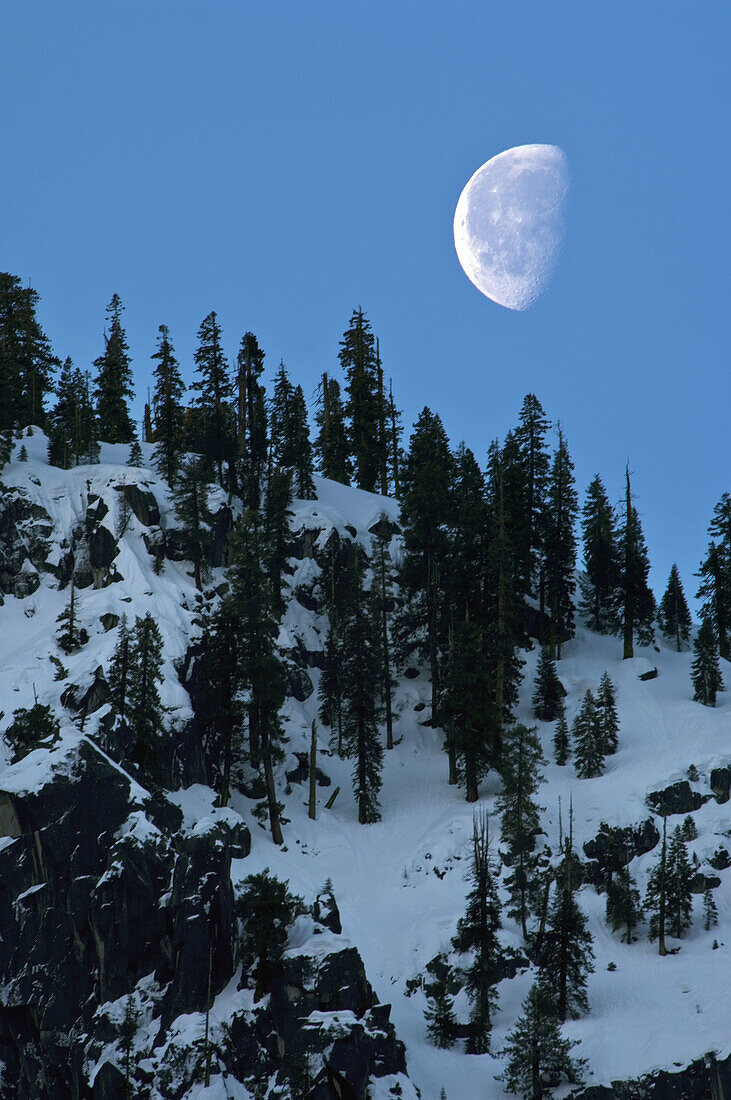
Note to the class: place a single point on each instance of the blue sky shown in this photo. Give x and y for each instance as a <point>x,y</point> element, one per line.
<point>283,162</point>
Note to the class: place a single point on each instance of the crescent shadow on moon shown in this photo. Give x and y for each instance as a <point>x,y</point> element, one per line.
<point>509,223</point>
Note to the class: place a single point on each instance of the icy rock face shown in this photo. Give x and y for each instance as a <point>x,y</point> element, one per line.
<point>25,528</point>
<point>705,1079</point>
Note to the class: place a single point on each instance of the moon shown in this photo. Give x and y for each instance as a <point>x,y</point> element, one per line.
<point>508,225</point>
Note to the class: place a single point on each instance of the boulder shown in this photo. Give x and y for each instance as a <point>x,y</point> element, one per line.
<point>721,784</point>
<point>142,504</point>
<point>678,798</point>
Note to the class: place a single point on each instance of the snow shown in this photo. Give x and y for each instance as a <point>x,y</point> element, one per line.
<point>400,884</point>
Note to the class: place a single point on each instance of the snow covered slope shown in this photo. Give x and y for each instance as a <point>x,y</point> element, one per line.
<point>400,884</point>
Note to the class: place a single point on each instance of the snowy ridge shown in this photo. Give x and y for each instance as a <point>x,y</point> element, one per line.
<point>400,884</point>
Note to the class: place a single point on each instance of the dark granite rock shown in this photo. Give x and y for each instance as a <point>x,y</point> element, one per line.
<point>721,784</point>
<point>678,798</point>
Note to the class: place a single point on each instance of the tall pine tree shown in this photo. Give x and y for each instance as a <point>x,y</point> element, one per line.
<point>706,670</point>
<point>601,559</point>
<point>364,407</point>
<point>168,410</point>
<point>560,545</point>
<point>215,393</point>
<point>673,615</point>
<point>113,382</point>
<point>634,601</point>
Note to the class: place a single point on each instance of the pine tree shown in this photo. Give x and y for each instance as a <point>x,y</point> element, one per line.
<point>560,545</point>
<point>706,670</point>
<point>191,507</point>
<point>280,412</point>
<point>331,443</point>
<point>624,909</point>
<point>567,955</point>
<point>441,1024</point>
<point>526,466</point>
<point>656,895</point>
<point>561,746</point>
<point>520,820</point>
<point>30,727</point>
<point>634,602</point>
<point>715,574</point>
<point>601,558</point>
<point>469,710</point>
<point>607,718</point>
<point>361,679</point>
<point>114,380</point>
<point>251,421</point>
<point>477,932</point>
<point>27,362</point>
<point>425,514</point>
<point>145,710</point>
<point>70,637</point>
<point>215,393</point>
<point>277,515</point>
<point>394,431</point>
<point>383,589</point>
<point>218,702</point>
<point>548,695</point>
<point>679,901</point>
<point>673,615</point>
<point>330,692</point>
<point>298,449</point>
<point>127,1035</point>
<point>588,740</point>
<point>267,909</point>
<point>167,404</point>
<point>689,829</point>
<point>64,446</point>
<point>465,572</point>
<point>135,454</point>
<point>710,911</point>
<point>536,1052</point>
<point>364,408</point>
<point>120,671</point>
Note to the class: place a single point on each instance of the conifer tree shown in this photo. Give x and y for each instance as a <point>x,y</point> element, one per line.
<point>710,911</point>
<point>70,637</point>
<point>441,1026</point>
<point>561,746</point>
<point>62,424</point>
<point>88,427</point>
<point>634,601</point>
<point>364,408</point>
<point>361,678</point>
<point>383,589</point>
<point>601,559</point>
<point>277,515</point>
<point>548,695</point>
<point>715,574</point>
<point>706,670</point>
<point>135,454</point>
<point>113,381</point>
<point>121,671</point>
<point>191,507</point>
<point>567,955</point>
<point>167,404</point>
<point>477,932</point>
<point>469,710</point>
<point>30,727</point>
<point>215,393</point>
<point>560,545</point>
<point>527,463</point>
<point>520,815</point>
<point>689,829</point>
<point>330,692</point>
<point>679,873</point>
<point>298,449</point>
<point>145,710</point>
<point>607,718</point>
<point>536,1051</point>
<point>425,514</point>
<point>624,909</point>
<point>394,431</point>
<point>465,573</point>
<point>251,421</point>
<point>337,586</point>
<point>673,615</point>
<point>587,738</point>
<point>280,411</point>
<point>27,362</point>
<point>219,704</point>
<point>331,443</point>
<point>267,909</point>
<point>656,895</point>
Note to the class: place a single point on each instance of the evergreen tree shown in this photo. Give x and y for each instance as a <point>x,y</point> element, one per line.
<point>298,449</point>
<point>27,362</point>
<point>606,710</point>
<point>679,900</point>
<point>330,692</point>
<point>624,909</point>
<point>673,615</point>
<point>114,380</point>
<point>361,680</point>
<point>560,545</point>
<point>689,829</point>
<point>548,695</point>
<point>425,512</point>
<point>520,821</point>
<point>567,955</point>
<point>656,895</point>
<point>469,710</point>
<point>561,746</point>
<point>251,421</point>
<point>280,412</point>
<point>62,424</point>
<point>706,670</point>
<point>383,589</point>
<point>29,728</point>
<point>277,515</point>
<point>70,637</point>
<point>715,574</point>
<point>441,1024</point>
<point>218,703</point>
<point>215,392</point>
<point>465,574</point>
<point>601,559</point>
<point>710,911</point>
<point>337,586</point>
<point>127,1035</point>
<point>191,507</point>
<point>634,602</point>
<point>538,1056</point>
<point>88,427</point>
<point>477,932</point>
<point>135,454</point>
<point>267,909</point>
<point>588,741</point>
<point>331,443</point>
<point>121,671</point>
<point>145,710</point>
<point>365,405</point>
<point>526,462</point>
<point>167,404</point>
